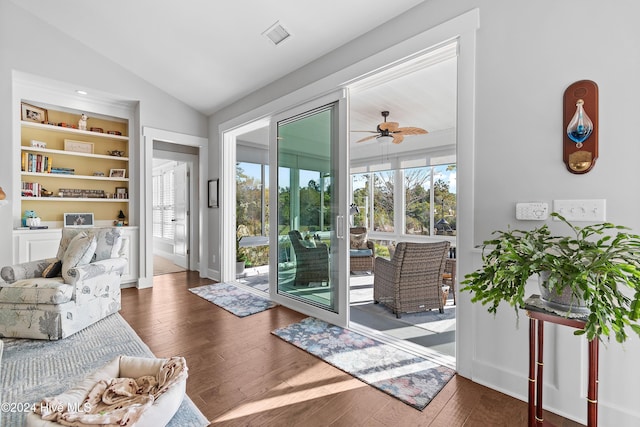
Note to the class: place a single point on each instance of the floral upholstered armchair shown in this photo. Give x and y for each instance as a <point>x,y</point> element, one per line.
<point>56,297</point>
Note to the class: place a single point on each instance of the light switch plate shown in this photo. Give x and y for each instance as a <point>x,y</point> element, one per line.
<point>534,211</point>
<point>593,210</point>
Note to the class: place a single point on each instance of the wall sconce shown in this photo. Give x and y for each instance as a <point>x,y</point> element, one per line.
<point>580,142</point>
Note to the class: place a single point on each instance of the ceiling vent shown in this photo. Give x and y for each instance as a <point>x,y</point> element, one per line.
<point>276,33</point>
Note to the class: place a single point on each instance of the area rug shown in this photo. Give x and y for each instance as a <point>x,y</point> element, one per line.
<point>34,369</point>
<point>412,379</point>
<point>233,299</point>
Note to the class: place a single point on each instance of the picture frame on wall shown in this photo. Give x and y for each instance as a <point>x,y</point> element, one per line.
<point>83,219</point>
<point>31,113</point>
<point>213,193</point>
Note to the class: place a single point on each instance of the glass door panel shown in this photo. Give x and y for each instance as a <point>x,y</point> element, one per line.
<point>309,235</point>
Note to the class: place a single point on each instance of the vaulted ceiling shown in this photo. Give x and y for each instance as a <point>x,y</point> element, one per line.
<point>210,54</point>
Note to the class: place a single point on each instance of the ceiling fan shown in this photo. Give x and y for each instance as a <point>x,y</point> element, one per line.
<point>386,131</point>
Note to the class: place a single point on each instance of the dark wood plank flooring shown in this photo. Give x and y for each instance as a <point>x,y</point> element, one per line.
<point>242,375</point>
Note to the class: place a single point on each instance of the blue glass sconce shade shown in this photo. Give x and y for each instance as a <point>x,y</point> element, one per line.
<point>580,126</point>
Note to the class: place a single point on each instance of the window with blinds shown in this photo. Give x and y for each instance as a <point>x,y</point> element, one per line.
<point>163,205</point>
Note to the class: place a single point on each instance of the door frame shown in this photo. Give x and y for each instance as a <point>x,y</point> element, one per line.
<point>199,227</point>
<point>464,28</point>
<point>191,161</point>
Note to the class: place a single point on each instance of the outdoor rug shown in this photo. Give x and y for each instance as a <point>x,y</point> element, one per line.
<point>233,299</point>
<point>412,379</point>
<point>34,369</point>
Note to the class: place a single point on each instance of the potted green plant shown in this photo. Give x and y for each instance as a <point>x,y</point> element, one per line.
<point>241,255</point>
<point>241,258</point>
<point>591,272</point>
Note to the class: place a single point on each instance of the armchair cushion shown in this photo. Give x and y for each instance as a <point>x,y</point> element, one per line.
<point>79,252</point>
<point>108,243</point>
<point>36,291</point>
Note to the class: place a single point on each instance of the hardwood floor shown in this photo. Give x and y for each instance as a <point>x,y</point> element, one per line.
<point>242,375</point>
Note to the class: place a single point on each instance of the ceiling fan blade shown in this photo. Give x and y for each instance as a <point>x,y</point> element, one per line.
<point>390,126</point>
<point>368,138</point>
<point>368,131</point>
<point>397,138</point>
<point>411,131</point>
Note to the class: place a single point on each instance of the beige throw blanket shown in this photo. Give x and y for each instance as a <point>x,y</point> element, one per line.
<point>118,401</point>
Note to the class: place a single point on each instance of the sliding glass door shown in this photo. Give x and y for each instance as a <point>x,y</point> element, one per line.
<point>309,273</point>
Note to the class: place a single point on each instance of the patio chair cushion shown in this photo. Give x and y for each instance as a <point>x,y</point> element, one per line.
<point>358,240</point>
<point>360,252</point>
<point>308,243</point>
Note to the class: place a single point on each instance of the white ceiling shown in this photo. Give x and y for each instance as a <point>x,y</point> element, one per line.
<point>419,93</point>
<point>211,53</point>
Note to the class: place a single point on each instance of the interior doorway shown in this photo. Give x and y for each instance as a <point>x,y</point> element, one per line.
<point>172,187</point>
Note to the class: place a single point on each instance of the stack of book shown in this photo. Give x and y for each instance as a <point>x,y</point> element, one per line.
<point>65,171</point>
<point>82,193</point>
<point>31,189</point>
<point>36,163</point>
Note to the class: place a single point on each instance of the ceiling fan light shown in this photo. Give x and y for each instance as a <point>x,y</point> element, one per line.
<point>385,138</point>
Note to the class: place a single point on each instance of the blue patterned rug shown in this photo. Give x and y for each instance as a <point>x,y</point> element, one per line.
<point>409,378</point>
<point>34,369</point>
<point>233,299</point>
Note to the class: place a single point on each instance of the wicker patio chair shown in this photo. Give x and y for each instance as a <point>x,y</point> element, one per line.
<point>412,280</point>
<point>361,259</point>
<point>449,276</point>
<point>312,263</point>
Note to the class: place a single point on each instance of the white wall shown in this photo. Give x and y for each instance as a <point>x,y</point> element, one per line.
<point>527,54</point>
<point>29,45</point>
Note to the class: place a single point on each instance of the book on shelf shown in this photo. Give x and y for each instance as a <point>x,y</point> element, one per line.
<point>82,193</point>
<point>36,163</point>
<point>31,189</point>
<point>64,171</point>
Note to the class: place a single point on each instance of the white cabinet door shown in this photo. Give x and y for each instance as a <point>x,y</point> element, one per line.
<point>130,249</point>
<point>33,245</point>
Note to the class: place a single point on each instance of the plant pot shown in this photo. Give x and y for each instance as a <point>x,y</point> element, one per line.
<point>239,267</point>
<point>564,301</point>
